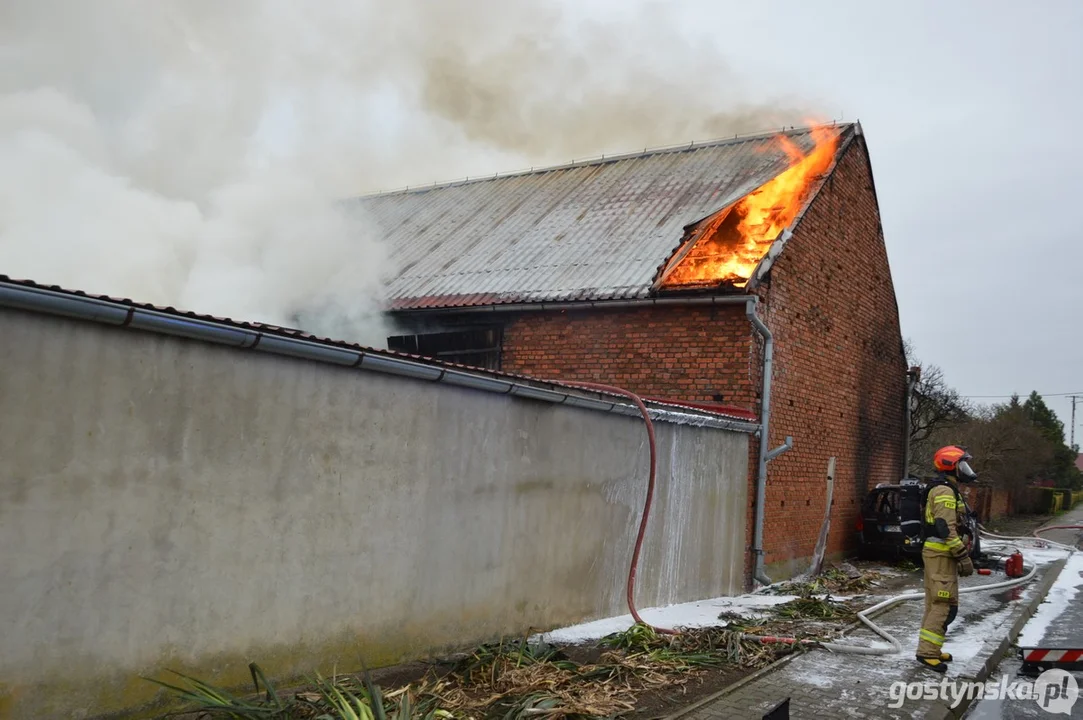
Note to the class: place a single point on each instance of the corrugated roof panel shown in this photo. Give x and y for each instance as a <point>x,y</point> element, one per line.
<point>592,231</point>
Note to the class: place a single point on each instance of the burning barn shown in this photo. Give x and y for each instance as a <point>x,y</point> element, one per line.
<point>681,274</point>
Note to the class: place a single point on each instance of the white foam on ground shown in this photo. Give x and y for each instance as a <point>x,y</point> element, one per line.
<point>1034,551</point>
<point>702,613</point>
<point>1060,597</point>
<point>966,638</point>
<point>816,676</point>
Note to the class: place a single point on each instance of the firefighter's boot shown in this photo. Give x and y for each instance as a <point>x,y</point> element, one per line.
<point>934,664</point>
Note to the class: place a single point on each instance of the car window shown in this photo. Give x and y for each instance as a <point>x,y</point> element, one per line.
<point>888,503</point>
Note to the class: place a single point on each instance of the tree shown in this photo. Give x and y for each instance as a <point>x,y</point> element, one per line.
<point>1013,444</point>
<point>1061,467</point>
<point>1012,450</point>
<point>935,407</point>
<point>1044,418</point>
<point>1008,450</point>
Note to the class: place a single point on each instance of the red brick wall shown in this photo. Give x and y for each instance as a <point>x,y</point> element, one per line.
<point>1001,504</point>
<point>840,373</point>
<point>990,502</point>
<point>687,353</point>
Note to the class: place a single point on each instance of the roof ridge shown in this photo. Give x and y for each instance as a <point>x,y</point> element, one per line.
<point>603,159</point>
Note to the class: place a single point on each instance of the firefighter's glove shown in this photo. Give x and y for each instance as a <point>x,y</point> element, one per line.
<point>966,567</point>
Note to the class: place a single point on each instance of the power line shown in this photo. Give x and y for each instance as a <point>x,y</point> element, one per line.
<point>1044,395</point>
<point>1073,396</point>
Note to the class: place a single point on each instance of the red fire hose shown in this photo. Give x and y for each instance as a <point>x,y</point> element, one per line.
<point>1058,527</point>
<point>646,503</point>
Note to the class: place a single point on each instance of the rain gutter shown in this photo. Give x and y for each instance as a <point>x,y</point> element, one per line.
<point>740,299</point>
<point>119,314</point>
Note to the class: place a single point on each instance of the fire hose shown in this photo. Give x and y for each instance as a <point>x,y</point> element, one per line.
<point>1062,546</point>
<point>864,616</point>
<point>1058,527</point>
<point>638,547</point>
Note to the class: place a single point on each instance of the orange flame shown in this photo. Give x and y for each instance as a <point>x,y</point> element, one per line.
<point>728,246</point>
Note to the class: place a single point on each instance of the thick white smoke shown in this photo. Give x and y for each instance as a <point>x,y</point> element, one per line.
<point>191,152</point>
<point>153,151</point>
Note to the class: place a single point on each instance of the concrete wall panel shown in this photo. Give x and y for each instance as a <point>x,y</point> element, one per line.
<point>170,503</point>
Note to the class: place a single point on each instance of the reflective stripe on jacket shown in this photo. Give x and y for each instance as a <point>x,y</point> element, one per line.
<point>940,504</point>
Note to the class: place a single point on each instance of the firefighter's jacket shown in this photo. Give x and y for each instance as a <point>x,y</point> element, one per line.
<point>944,504</point>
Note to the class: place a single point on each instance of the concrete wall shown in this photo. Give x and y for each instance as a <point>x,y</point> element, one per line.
<point>169,503</point>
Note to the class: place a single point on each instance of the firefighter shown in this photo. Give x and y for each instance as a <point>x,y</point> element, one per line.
<point>945,555</point>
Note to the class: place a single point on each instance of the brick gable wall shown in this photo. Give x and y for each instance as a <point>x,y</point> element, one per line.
<point>840,374</point>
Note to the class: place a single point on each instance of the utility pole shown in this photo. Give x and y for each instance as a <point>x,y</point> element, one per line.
<point>1073,399</point>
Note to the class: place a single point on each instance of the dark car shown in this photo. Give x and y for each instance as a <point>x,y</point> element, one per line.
<point>891,525</point>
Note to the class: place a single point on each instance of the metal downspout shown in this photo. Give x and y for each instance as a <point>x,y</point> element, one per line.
<point>758,572</point>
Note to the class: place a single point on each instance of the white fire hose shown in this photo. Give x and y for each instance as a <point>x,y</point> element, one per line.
<point>1033,538</point>
<point>865,615</point>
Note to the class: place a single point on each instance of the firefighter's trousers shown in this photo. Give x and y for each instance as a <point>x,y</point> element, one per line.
<point>941,601</point>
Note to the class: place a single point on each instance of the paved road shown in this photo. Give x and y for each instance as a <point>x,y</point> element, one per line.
<point>825,685</point>
<point>1065,631</point>
<point>1017,709</point>
<point>1068,537</point>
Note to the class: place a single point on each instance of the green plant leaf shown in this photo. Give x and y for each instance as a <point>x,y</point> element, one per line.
<point>215,700</point>
<point>258,677</point>
<point>375,697</point>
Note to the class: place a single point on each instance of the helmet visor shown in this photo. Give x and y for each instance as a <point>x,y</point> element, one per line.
<point>965,471</point>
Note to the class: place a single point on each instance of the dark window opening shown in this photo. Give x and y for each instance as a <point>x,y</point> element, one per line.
<point>476,347</point>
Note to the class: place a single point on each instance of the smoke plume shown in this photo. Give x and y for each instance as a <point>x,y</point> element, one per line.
<point>553,86</point>
<point>193,153</point>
